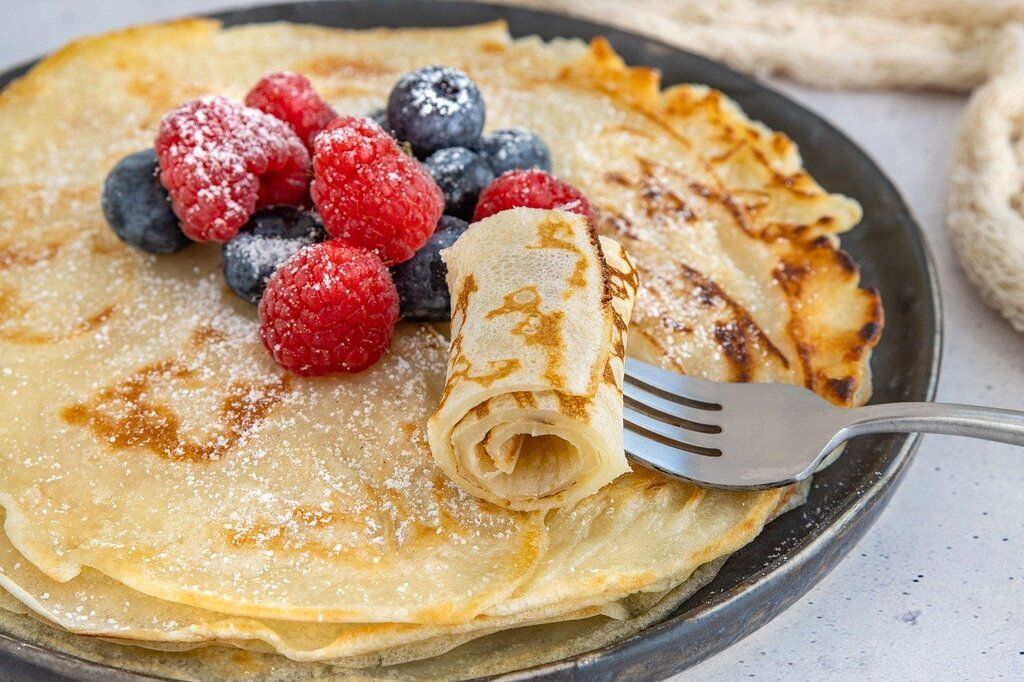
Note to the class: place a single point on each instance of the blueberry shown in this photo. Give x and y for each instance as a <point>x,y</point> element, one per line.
<point>461,175</point>
<point>513,149</point>
<point>272,236</point>
<point>138,208</point>
<point>422,289</point>
<point>436,107</point>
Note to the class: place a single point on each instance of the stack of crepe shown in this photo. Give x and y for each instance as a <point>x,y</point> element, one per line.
<point>166,486</point>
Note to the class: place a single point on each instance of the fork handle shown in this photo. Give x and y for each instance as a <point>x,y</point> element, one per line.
<point>989,423</point>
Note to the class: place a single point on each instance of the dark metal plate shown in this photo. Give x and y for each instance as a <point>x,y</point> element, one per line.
<point>794,552</point>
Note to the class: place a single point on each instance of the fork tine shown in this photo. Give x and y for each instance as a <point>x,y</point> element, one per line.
<point>653,402</point>
<point>676,434</point>
<point>689,389</point>
<point>672,461</point>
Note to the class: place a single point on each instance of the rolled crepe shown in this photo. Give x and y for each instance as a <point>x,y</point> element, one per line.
<point>531,413</point>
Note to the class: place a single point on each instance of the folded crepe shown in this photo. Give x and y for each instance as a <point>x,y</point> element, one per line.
<point>531,413</point>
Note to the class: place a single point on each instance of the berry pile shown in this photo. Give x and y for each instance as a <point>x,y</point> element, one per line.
<point>313,208</point>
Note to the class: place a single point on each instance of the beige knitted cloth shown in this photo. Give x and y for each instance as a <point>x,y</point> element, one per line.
<point>959,45</point>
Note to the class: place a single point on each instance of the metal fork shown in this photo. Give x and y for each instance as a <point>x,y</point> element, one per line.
<point>750,436</point>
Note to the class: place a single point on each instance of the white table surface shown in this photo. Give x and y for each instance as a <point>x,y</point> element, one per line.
<point>936,589</point>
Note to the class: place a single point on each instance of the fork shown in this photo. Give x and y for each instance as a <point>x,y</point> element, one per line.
<point>751,436</point>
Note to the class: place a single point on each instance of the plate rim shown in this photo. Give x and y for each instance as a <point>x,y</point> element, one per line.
<point>609,660</point>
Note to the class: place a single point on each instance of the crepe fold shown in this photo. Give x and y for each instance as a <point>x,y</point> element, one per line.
<point>531,414</point>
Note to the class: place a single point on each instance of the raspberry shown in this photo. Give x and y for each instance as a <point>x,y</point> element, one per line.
<point>533,189</point>
<point>369,192</point>
<point>329,308</point>
<point>220,161</point>
<point>290,97</point>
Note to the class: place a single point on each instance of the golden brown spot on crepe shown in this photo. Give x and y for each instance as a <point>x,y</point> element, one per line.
<point>249,662</point>
<point>780,143</point>
<point>572,406</point>
<point>492,47</point>
<point>410,429</point>
<point>870,331</point>
<point>39,207</point>
<point>336,65</point>
<point>652,484</point>
<point>675,326</point>
<point>626,128</point>
<point>660,199</point>
<point>726,201</point>
<point>461,306</point>
<point>246,405</point>
<point>15,255</point>
<point>618,343</point>
<point>553,233</point>
<point>657,196</point>
<point>536,328</point>
<point>739,334</point>
<point>789,275</point>
<point>12,309</point>
<point>206,335</point>
<point>842,389</point>
<point>459,366</point>
<point>394,519</point>
<point>637,86</point>
<point>733,343</point>
<point>602,263</point>
<point>617,178</point>
<point>845,261</point>
<point>124,416</point>
<point>313,516</point>
<point>282,536</point>
<point>481,410</point>
<point>621,285</point>
<point>524,399</point>
<point>331,92</point>
<point>805,352</point>
<point>608,376</point>
<point>618,224</point>
<point>159,91</point>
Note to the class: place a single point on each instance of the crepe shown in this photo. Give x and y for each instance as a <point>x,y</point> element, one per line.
<point>531,412</point>
<point>96,605</point>
<point>147,440</point>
